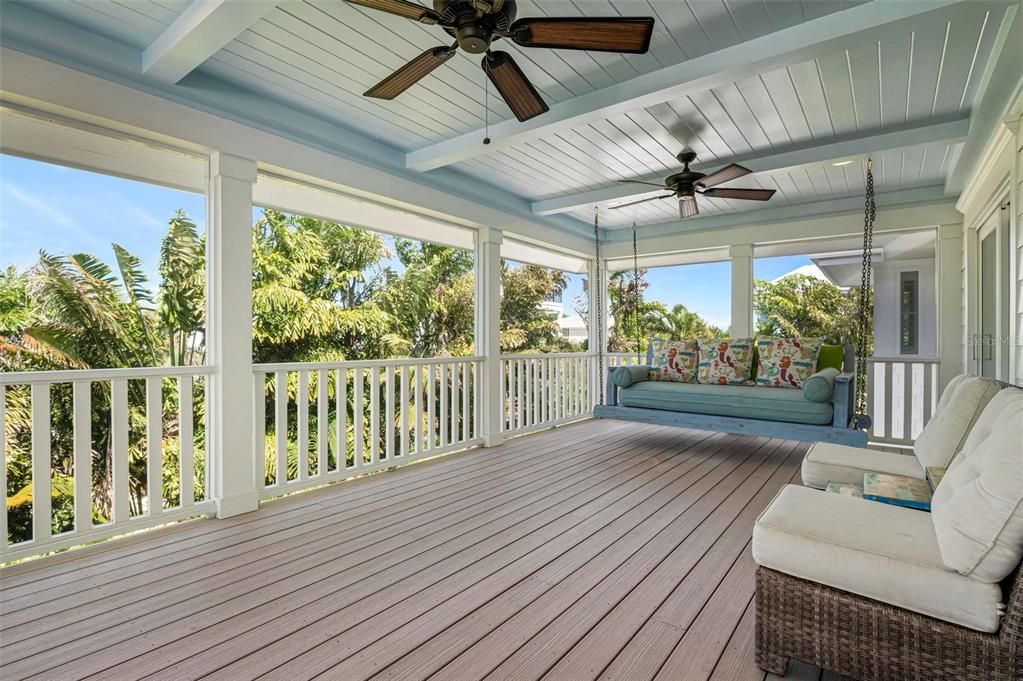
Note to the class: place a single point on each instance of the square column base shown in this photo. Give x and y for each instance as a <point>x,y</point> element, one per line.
<point>237,504</point>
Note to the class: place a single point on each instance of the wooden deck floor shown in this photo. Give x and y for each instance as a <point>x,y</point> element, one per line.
<point>598,550</point>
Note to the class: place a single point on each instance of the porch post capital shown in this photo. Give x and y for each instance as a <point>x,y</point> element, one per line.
<point>489,235</point>
<point>235,167</point>
<point>740,251</point>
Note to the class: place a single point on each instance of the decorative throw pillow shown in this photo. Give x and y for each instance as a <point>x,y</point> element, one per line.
<point>787,362</point>
<point>674,360</point>
<point>725,361</point>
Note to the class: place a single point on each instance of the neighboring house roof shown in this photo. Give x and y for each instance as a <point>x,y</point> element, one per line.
<point>573,322</point>
<point>810,270</point>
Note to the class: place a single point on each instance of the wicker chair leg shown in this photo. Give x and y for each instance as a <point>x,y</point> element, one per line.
<point>776,664</point>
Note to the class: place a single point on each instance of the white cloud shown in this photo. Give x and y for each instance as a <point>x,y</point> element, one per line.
<point>40,205</point>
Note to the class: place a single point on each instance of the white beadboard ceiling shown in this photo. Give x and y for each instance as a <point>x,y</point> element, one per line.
<point>320,55</point>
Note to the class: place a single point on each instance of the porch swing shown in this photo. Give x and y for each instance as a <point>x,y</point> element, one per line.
<point>836,411</point>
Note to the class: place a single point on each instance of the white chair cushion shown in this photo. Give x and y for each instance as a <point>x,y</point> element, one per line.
<point>826,461</point>
<point>961,404</point>
<point>978,507</point>
<point>883,552</point>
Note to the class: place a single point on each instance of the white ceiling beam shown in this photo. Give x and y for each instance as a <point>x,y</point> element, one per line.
<point>848,149</point>
<point>774,50</point>
<point>202,29</point>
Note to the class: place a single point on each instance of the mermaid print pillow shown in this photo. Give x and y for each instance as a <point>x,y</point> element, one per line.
<point>674,360</point>
<point>786,362</point>
<point>725,361</point>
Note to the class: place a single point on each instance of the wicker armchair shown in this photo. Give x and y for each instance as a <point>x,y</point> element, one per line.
<point>873,641</point>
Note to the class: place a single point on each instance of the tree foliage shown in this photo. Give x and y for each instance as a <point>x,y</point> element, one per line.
<point>800,305</point>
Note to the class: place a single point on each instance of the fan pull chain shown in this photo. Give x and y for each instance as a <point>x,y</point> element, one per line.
<point>486,105</point>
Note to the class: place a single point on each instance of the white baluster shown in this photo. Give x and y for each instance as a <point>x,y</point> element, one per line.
<point>302,405</point>
<point>389,412</point>
<point>119,448</point>
<point>341,405</point>
<point>41,470</point>
<point>322,422</point>
<point>281,427</point>
<point>358,416</point>
<point>403,377</point>
<point>154,444</point>
<point>82,430</point>
<point>186,433</point>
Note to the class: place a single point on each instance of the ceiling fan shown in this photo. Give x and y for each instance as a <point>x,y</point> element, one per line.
<point>476,24</point>
<point>687,184</point>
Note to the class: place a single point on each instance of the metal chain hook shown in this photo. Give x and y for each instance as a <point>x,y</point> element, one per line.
<point>637,289</point>
<point>864,326</point>
<point>599,319</point>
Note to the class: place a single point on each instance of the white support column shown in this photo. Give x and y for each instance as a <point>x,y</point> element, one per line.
<point>488,332</point>
<point>597,322</point>
<point>229,327</point>
<point>949,272</point>
<point>741,256</point>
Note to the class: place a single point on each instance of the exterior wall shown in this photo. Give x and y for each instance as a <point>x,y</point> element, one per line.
<point>995,189</point>
<point>1016,270</point>
<point>886,308</point>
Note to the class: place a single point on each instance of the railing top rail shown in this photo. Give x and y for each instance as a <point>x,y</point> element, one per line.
<point>362,364</point>
<point>907,360</point>
<point>547,355</point>
<point>72,375</point>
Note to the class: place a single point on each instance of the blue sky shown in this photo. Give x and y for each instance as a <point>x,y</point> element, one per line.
<point>64,210</point>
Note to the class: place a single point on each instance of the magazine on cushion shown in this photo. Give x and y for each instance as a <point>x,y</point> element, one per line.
<point>898,490</point>
<point>847,489</point>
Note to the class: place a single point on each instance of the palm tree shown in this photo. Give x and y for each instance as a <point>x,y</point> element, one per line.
<point>678,322</point>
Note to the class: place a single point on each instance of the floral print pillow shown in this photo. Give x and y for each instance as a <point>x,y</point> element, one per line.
<point>725,361</point>
<point>674,360</point>
<point>786,362</point>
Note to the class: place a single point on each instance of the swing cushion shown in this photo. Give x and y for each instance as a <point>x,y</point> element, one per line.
<point>741,401</point>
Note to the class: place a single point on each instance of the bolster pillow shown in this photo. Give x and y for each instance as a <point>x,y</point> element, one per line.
<point>625,376</point>
<point>820,386</point>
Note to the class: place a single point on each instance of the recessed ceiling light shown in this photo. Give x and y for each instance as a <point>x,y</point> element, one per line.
<point>841,163</point>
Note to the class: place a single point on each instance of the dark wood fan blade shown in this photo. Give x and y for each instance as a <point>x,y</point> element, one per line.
<point>729,172</point>
<point>520,95</point>
<point>649,184</point>
<point>747,194</point>
<point>687,207</point>
<point>633,203</point>
<point>410,74</point>
<point>401,8</point>
<point>597,34</point>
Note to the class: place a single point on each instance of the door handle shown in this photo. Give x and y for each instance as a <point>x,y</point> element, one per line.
<point>974,339</point>
<point>989,346</point>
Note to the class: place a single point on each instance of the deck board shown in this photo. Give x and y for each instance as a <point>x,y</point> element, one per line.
<point>595,550</point>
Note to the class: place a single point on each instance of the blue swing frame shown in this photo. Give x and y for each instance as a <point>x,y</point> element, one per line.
<point>840,431</point>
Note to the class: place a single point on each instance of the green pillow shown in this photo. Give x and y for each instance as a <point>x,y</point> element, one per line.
<point>831,356</point>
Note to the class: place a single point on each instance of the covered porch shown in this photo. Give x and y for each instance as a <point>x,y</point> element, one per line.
<point>460,513</point>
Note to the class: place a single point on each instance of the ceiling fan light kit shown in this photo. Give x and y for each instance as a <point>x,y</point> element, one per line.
<point>477,24</point>
<point>688,183</point>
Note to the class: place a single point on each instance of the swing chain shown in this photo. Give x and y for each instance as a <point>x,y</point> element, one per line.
<point>637,302</point>
<point>864,326</point>
<point>599,319</point>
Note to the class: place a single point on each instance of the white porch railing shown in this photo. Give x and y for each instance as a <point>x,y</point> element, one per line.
<point>333,420</point>
<point>617,359</point>
<point>901,396</point>
<point>540,391</point>
<point>135,403</point>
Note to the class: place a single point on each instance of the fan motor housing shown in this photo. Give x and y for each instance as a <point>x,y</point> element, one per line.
<point>474,31</point>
